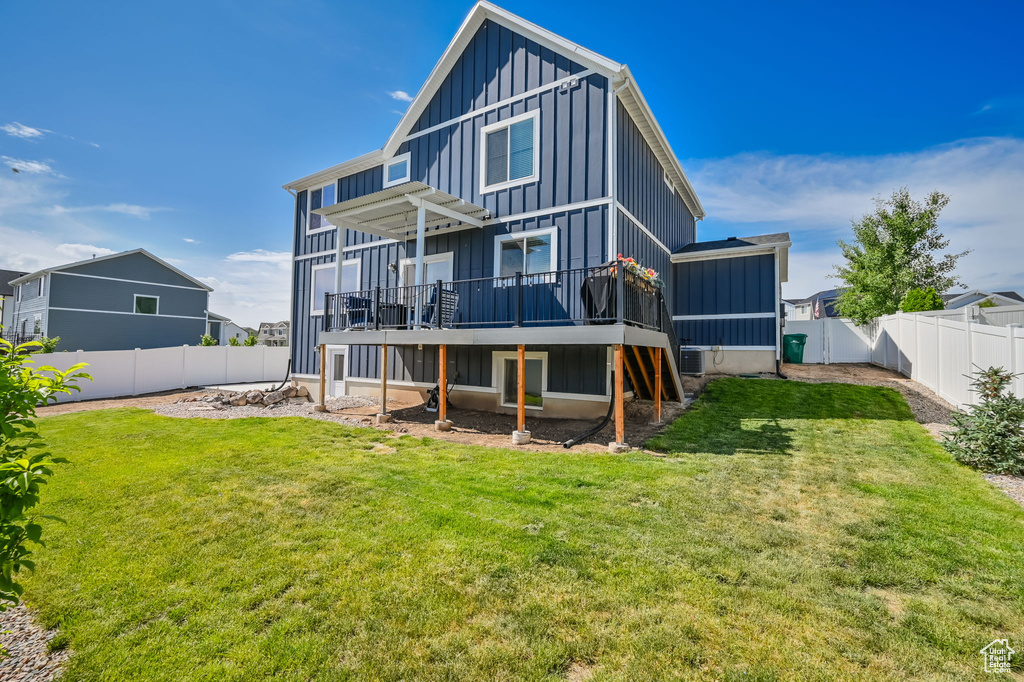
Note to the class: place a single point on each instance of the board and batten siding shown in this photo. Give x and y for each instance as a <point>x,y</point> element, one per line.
<point>642,189</point>
<point>725,286</point>
<point>306,327</point>
<point>634,242</point>
<point>571,369</point>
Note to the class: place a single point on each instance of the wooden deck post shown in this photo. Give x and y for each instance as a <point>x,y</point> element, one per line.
<point>620,418</point>
<point>321,406</point>
<point>521,435</point>
<point>383,415</point>
<point>658,387</point>
<point>442,423</point>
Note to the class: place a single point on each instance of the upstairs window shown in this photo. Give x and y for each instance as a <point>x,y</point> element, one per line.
<point>320,197</point>
<point>510,152</point>
<point>321,283</point>
<point>350,271</point>
<point>146,305</point>
<point>42,285</point>
<point>528,252</point>
<point>397,170</point>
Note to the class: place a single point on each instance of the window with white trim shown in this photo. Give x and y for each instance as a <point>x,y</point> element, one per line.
<point>147,305</point>
<point>18,292</point>
<point>42,285</point>
<point>507,371</point>
<point>321,283</point>
<point>510,152</point>
<point>37,324</point>
<point>398,170</point>
<point>350,271</point>
<point>527,252</point>
<point>319,197</point>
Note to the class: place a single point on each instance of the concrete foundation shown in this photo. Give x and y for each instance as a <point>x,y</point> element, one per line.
<point>739,361</point>
<point>442,425</point>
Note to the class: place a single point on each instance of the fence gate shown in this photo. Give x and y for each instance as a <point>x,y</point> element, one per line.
<point>832,340</point>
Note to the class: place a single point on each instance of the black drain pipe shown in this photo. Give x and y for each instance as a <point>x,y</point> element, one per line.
<point>286,375</point>
<point>590,432</point>
<point>778,369</point>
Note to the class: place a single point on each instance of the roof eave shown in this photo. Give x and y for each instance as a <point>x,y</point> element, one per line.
<point>728,252</point>
<point>359,163</point>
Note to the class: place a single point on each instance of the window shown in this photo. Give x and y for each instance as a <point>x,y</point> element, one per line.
<point>18,292</point>
<point>146,305</point>
<point>507,370</point>
<point>322,283</point>
<point>349,276</point>
<point>510,152</point>
<point>320,197</point>
<point>37,324</point>
<point>42,285</point>
<point>397,170</point>
<point>526,252</point>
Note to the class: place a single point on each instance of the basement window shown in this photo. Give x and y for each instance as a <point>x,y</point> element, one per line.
<point>507,372</point>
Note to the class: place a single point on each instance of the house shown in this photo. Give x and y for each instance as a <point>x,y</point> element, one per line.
<point>799,309</point>
<point>7,302</point>
<point>816,306</point>
<point>273,333</point>
<point>223,329</point>
<point>980,297</point>
<point>122,301</point>
<point>478,245</point>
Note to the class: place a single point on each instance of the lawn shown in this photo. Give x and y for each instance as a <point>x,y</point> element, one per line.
<point>794,531</point>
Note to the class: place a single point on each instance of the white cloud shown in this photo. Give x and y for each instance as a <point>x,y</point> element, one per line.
<point>25,132</point>
<point>31,167</point>
<point>134,210</point>
<point>816,197</point>
<point>252,286</point>
<point>262,256</point>
<point>77,252</point>
<point>190,241</point>
<point>401,96</point>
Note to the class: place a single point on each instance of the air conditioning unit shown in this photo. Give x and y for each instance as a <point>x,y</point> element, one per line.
<point>691,361</point>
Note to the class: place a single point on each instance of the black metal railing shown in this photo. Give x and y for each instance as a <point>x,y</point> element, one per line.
<point>606,294</point>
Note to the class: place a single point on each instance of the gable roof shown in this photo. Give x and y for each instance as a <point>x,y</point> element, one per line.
<point>1010,294</point>
<point>761,240</point>
<point>45,271</point>
<point>6,276</point>
<point>620,78</point>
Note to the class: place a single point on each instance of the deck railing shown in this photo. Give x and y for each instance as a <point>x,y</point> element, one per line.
<point>606,294</point>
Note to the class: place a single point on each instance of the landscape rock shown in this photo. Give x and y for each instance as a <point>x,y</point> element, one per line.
<point>302,392</point>
<point>239,400</point>
<point>273,397</point>
<point>254,397</point>
<point>289,391</point>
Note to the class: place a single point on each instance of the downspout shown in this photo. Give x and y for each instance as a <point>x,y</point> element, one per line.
<point>291,285</point>
<point>778,315</point>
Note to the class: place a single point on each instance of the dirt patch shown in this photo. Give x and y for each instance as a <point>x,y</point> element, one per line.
<point>928,408</point>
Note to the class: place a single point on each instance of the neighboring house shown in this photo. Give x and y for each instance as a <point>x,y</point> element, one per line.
<point>978,297</point>
<point>523,166</point>
<point>817,306</point>
<point>223,329</point>
<point>273,333</point>
<point>122,301</point>
<point>799,309</point>
<point>7,302</point>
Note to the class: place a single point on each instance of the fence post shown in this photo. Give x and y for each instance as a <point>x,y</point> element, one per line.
<point>519,299</point>
<point>826,341</point>
<point>184,352</point>
<point>970,361</point>
<point>915,373</point>
<point>938,358</point>
<point>899,342</point>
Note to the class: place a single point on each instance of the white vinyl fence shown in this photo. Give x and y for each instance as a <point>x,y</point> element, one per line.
<point>934,351</point>
<point>134,372</point>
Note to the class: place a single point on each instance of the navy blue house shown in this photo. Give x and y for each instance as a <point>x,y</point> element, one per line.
<point>491,222</point>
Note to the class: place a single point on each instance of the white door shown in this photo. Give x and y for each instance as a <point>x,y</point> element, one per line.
<point>338,373</point>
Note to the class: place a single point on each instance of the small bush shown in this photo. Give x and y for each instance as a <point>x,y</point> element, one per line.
<point>251,341</point>
<point>233,341</point>
<point>207,340</point>
<point>990,437</point>
<point>919,300</point>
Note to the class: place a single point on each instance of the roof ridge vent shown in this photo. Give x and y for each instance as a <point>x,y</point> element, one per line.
<point>731,239</point>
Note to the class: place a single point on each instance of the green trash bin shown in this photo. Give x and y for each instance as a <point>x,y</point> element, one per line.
<point>793,348</point>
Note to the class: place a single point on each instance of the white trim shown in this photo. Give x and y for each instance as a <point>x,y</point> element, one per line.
<point>30,276</point>
<point>771,348</point>
<point>564,208</point>
<point>733,252</point>
<point>503,103</point>
<point>498,358</point>
<point>589,397</point>
<point>370,245</point>
<point>482,143</point>
<point>407,158</point>
<point>121,312</point>
<point>416,384</point>
<point>643,228</point>
<point>526,234</point>
<point>313,310</point>
<point>130,281</point>
<point>664,176</point>
<point>42,287</point>
<point>319,254</point>
<point>403,263</point>
<point>135,303</point>
<point>310,209</point>
<point>725,316</point>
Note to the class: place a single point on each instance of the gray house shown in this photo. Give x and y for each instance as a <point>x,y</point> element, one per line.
<point>122,301</point>
<point>7,302</point>
<point>483,241</point>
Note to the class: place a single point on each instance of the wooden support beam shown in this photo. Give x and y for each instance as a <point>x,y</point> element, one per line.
<point>658,385</point>
<point>384,379</point>
<point>442,398</point>
<point>643,370</point>
<point>656,360</point>
<point>629,370</point>
<point>321,406</point>
<point>620,417</point>
<point>521,389</point>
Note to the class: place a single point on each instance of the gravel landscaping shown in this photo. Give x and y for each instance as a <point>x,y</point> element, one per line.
<point>26,644</point>
<point>1011,485</point>
<point>213,407</point>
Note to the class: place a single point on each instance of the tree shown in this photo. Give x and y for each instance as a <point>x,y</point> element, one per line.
<point>919,300</point>
<point>207,340</point>
<point>990,436</point>
<point>252,340</point>
<point>895,249</point>
<point>24,463</point>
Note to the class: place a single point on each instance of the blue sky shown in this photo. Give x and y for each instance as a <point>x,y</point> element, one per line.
<point>172,126</point>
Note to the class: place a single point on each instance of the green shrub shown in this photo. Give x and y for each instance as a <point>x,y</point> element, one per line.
<point>251,341</point>
<point>987,303</point>
<point>207,340</point>
<point>233,341</point>
<point>918,300</point>
<point>48,345</point>
<point>24,463</point>
<point>990,437</point>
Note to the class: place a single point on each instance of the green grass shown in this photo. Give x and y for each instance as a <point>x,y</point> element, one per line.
<point>795,531</point>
